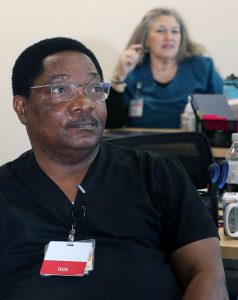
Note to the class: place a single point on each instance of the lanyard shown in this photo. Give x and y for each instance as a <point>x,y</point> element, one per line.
<point>78,214</point>
<point>138,89</point>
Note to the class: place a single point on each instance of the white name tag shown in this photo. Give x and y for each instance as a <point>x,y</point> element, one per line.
<point>136,107</point>
<point>67,260</point>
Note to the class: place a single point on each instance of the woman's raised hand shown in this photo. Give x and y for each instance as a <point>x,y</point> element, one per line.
<point>128,60</point>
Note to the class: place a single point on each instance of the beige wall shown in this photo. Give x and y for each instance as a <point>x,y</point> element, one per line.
<point>104,26</point>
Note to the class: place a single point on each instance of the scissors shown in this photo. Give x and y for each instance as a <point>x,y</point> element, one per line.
<point>218,173</point>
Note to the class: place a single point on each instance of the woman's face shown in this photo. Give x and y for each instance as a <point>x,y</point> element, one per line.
<point>164,38</point>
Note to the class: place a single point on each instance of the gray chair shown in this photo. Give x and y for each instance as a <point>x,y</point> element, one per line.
<point>191,148</point>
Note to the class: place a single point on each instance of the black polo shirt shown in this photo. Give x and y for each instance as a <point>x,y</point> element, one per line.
<point>139,208</point>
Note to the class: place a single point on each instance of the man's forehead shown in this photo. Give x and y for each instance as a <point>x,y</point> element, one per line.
<point>68,58</point>
<point>59,66</point>
<point>65,54</point>
<point>90,75</point>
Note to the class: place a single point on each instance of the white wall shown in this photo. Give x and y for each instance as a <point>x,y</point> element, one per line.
<point>104,26</point>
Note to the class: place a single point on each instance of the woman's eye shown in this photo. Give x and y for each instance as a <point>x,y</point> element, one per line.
<point>160,30</point>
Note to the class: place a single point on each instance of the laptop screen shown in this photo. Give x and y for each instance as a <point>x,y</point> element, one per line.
<point>211,106</point>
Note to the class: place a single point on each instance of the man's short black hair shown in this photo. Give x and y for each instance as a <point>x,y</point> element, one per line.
<point>29,64</point>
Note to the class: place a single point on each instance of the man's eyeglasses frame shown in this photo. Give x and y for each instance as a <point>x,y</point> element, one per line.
<point>74,89</point>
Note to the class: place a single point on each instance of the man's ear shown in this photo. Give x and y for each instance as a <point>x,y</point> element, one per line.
<point>19,105</point>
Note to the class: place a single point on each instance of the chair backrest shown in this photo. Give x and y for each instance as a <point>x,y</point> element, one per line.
<point>191,148</point>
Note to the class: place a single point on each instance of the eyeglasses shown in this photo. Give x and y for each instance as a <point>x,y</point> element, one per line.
<point>67,91</point>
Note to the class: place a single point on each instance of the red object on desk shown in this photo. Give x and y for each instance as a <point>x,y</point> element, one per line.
<point>215,122</point>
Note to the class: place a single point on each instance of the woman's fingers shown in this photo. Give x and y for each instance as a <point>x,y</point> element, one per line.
<point>128,60</point>
<point>131,56</point>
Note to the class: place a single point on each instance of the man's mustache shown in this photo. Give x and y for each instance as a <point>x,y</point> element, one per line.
<point>82,120</point>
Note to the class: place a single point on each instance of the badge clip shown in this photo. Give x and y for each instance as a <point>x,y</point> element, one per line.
<point>71,236</point>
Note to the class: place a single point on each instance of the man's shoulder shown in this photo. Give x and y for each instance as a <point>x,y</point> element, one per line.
<point>113,149</point>
<point>18,163</point>
<point>121,153</point>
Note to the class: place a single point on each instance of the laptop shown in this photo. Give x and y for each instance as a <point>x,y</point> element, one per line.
<point>214,118</point>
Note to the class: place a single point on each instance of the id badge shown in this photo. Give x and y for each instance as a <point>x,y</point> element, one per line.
<point>90,262</point>
<point>136,107</point>
<point>64,259</point>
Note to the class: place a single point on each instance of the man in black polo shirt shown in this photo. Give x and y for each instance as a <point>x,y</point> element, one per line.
<point>84,219</point>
